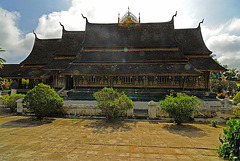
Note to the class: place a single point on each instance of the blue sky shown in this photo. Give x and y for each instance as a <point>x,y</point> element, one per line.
<point>31,10</point>
<point>221,28</point>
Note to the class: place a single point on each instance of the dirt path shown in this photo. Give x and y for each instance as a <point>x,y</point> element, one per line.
<point>67,139</point>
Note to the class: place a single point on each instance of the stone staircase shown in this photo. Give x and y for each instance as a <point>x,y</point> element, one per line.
<point>63,93</point>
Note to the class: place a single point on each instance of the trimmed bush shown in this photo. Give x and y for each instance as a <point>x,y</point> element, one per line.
<point>113,104</point>
<point>4,99</point>
<point>43,101</point>
<point>180,108</point>
<point>236,112</point>
<point>10,101</point>
<point>230,148</point>
<point>236,99</point>
<point>213,123</point>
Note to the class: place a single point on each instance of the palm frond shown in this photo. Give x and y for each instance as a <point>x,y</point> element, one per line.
<point>2,61</point>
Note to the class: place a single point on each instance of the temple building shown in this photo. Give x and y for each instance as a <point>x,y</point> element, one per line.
<point>129,55</point>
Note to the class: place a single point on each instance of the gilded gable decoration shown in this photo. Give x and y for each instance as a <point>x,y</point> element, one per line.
<point>128,19</point>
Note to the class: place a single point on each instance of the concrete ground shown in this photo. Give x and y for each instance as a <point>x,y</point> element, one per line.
<point>22,138</point>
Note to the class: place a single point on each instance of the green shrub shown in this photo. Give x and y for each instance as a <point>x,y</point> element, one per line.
<point>112,103</point>
<point>4,99</point>
<point>43,101</point>
<point>213,123</point>
<point>230,148</point>
<point>180,107</point>
<point>236,99</point>
<point>10,101</point>
<point>236,111</point>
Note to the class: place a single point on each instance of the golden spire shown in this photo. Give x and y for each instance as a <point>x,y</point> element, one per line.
<point>128,18</point>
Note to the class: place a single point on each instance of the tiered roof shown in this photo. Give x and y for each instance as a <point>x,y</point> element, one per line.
<point>34,73</point>
<point>144,35</point>
<point>191,42</point>
<point>43,52</point>
<point>146,48</point>
<point>70,46</point>
<point>10,71</point>
<point>130,56</point>
<point>206,64</point>
<point>71,43</point>
<point>124,48</point>
<point>192,45</point>
<point>117,69</point>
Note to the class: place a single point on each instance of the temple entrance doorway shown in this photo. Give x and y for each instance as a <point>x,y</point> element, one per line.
<point>69,82</point>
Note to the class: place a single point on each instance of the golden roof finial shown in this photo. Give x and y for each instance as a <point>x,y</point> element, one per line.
<point>128,18</point>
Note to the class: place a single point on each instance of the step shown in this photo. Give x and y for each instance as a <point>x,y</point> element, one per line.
<point>140,113</point>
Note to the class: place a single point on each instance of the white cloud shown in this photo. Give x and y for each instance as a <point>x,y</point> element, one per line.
<point>11,39</point>
<point>224,41</point>
<point>106,11</point>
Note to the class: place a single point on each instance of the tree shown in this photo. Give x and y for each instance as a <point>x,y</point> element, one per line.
<point>213,74</point>
<point>112,103</point>
<point>230,148</point>
<point>231,74</point>
<point>1,59</point>
<point>180,108</point>
<point>236,99</point>
<point>43,100</point>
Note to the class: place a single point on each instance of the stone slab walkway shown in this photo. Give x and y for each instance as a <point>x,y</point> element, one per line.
<point>82,139</point>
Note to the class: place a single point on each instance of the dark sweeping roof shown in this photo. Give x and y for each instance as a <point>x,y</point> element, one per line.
<point>43,52</point>
<point>142,35</point>
<point>71,43</point>
<point>57,64</point>
<point>206,64</point>
<point>191,41</point>
<point>131,69</point>
<point>34,73</point>
<point>140,49</point>
<point>10,71</point>
<point>131,56</point>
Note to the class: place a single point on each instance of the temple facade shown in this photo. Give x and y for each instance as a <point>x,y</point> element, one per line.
<point>128,55</point>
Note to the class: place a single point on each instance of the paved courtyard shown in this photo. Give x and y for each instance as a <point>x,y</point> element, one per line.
<point>22,138</point>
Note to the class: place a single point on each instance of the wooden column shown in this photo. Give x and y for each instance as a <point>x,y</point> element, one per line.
<point>207,75</point>
<point>55,78</point>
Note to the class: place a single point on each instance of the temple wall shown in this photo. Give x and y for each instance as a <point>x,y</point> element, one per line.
<point>58,80</point>
<point>190,82</point>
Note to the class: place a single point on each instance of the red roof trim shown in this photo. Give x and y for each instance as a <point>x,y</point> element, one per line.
<point>129,49</point>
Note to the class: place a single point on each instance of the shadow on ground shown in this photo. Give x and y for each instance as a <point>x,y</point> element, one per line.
<point>28,122</point>
<point>185,130</point>
<point>101,126</point>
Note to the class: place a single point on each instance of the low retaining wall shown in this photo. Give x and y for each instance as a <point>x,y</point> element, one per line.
<point>76,109</point>
<point>83,111</point>
<point>207,109</point>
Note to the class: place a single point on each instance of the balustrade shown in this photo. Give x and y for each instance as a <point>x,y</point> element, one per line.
<point>141,81</point>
